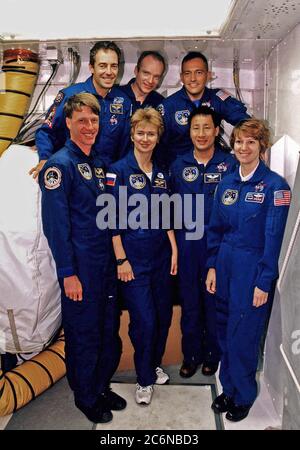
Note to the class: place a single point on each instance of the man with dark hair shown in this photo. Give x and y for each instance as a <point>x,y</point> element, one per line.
<point>104,45</point>
<point>71,180</point>
<point>148,72</point>
<point>177,107</point>
<point>113,138</point>
<point>198,172</point>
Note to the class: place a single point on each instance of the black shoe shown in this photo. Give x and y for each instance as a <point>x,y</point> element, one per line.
<point>187,370</point>
<point>237,413</point>
<point>209,368</point>
<point>222,403</point>
<point>99,413</point>
<point>114,401</point>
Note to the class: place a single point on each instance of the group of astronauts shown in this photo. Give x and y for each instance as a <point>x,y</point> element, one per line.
<point>98,139</point>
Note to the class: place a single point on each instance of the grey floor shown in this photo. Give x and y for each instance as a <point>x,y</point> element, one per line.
<point>183,404</point>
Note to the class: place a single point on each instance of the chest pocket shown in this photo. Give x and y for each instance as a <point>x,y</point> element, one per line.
<point>253,220</point>
<point>254,205</point>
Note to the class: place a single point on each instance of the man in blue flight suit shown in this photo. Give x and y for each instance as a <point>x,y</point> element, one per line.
<point>114,135</point>
<point>177,107</point>
<point>198,172</point>
<point>148,72</point>
<point>244,239</point>
<point>71,181</point>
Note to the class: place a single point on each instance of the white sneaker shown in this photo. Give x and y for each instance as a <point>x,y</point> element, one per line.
<point>143,394</point>
<point>161,376</point>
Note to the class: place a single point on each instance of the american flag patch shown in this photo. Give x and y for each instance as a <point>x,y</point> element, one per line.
<point>111,179</point>
<point>222,94</point>
<point>282,198</point>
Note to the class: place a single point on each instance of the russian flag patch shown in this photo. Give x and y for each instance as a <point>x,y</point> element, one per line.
<point>111,179</point>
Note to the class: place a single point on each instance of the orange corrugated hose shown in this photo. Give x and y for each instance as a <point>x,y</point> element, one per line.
<point>25,382</point>
<point>17,81</point>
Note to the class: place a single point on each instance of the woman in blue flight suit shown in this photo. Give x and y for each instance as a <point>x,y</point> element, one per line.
<point>146,254</point>
<point>244,239</point>
<point>198,172</point>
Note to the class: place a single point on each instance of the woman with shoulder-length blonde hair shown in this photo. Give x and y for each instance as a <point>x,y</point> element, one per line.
<point>146,255</point>
<point>244,239</point>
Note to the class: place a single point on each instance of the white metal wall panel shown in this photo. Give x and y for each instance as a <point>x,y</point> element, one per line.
<point>284,87</point>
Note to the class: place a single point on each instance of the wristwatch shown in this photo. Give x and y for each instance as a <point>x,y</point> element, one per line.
<point>121,261</point>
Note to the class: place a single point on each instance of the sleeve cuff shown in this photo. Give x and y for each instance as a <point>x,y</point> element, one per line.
<point>65,272</point>
<point>264,285</point>
<point>211,262</point>
<point>116,233</point>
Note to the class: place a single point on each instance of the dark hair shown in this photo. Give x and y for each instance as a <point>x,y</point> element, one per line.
<point>255,128</point>
<point>152,53</point>
<point>205,111</point>
<point>194,55</point>
<point>77,101</point>
<point>104,45</point>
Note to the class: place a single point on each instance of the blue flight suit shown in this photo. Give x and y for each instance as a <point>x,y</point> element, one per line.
<point>198,313</point>
<point>114,133</point>
<point>147,297</point>
<point>244,239</point>
<point>153,99</point>
<point>176,109</point>
<point>71,182</point>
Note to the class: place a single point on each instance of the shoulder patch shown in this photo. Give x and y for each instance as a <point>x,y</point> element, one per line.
<point>59,98</point>
<point>282,198</point>
<point>160,108</point>
<point>111,179</point>
<point>50,117</point>
<point>52,178</point>
<point>223,95</point>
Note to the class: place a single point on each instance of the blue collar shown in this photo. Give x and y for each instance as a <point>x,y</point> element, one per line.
<point>90,86</point>
<point>205,96</point>
<point>77,150</point>
<point>217,157</point>
<point>133,164</point>
<point>113,92</point>
<point>128,89</point>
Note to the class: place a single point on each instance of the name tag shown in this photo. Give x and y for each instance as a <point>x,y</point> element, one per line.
<point>255,197</point>
<point>212,178</point>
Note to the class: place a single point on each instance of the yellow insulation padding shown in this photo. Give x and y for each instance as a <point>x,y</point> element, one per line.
<point>25,382</point>
<point>18,78</point>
